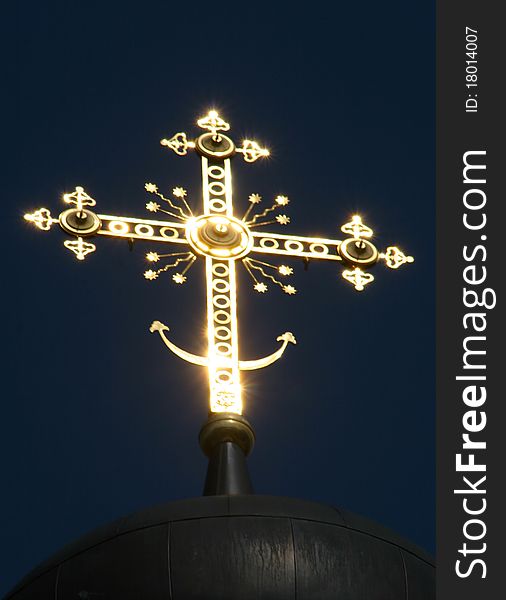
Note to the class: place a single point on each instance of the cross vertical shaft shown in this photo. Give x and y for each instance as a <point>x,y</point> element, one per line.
<point>223,343</point>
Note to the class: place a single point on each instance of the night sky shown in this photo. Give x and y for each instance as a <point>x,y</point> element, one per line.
<point>99,419</point>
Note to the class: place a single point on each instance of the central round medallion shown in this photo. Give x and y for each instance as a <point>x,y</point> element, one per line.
<point>219,237</point>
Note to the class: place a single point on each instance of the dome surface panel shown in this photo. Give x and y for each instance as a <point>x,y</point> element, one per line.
<point>249,556</point>
<point>338,563</point>
<point>125,567</point>
<point>236,547</point>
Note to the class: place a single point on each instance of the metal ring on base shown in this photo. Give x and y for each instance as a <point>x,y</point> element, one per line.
<point>226,427</point>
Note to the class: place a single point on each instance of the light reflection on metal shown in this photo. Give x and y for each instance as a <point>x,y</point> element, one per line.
<point>213,122</point>
<point>356,228</point>
<point>251,151</point>
<point>221,241</point>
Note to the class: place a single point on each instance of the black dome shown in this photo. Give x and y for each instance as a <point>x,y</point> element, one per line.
<point>235,547</point>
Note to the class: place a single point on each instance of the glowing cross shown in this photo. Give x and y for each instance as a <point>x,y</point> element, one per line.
<point>222,241</point>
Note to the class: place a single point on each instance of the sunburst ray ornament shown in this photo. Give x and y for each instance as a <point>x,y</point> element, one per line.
<point>182,257</point>
<point>276,205</point>
<point>253,265</point>
<point>176,211</point>
<point>220,241</point>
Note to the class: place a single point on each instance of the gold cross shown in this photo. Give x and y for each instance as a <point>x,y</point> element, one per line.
<point>222,241</point>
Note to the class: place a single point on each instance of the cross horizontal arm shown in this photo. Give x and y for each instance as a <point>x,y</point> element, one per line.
<point>296,246</point>
<point>142,229</point>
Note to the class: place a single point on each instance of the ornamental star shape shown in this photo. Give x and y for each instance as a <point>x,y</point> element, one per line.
<point>282,200</point>
<point>179,192</point>
<point>153,256</point>
<point>289,289</point>
<point>260,287</point>
<point>285,270</point>
<point>152,206</point>
<point>150,275</point>
<point>255,198</point>
<point>283,219</point>
<point>179,278</point>
<point>151,187</point>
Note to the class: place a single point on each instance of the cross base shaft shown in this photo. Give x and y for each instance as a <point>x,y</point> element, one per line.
<point>227,439</point>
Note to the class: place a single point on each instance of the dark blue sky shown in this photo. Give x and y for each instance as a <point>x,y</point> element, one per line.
<point>98,418</point>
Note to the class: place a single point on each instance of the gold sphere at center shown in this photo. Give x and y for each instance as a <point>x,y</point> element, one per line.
<point>221,228</point>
